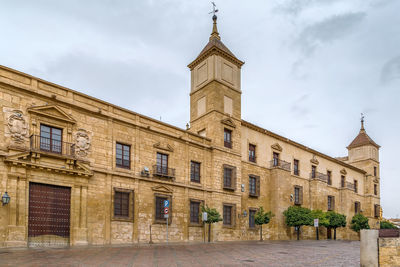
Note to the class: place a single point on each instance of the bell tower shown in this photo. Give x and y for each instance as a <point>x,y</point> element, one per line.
<point>215,97</point>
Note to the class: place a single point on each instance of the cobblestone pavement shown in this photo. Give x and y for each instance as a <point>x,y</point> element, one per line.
<point>268,253</point>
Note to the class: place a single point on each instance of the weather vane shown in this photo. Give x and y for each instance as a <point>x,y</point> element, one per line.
<point>362,120</point>
<point>214,9</point>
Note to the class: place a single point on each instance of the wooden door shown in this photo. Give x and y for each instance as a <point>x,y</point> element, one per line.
<point>329,233</point>
<point>49,215</point>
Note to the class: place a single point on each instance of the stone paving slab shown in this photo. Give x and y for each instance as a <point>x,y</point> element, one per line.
<point>267,253</point>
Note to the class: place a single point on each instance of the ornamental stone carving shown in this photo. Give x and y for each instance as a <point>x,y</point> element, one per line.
<point>17,126</point>
<point>82,143</point>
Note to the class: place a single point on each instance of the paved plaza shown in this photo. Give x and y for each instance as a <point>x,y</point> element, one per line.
<point>268,253</point>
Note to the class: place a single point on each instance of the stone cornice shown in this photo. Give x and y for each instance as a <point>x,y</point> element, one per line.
<point>215,51</point>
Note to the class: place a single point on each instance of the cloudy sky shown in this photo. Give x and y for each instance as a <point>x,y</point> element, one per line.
<point>312,66</point>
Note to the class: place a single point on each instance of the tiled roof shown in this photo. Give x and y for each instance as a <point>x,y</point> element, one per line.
<point>362,139</point>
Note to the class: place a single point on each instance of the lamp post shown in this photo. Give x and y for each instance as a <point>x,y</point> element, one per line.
<point>5,199</point>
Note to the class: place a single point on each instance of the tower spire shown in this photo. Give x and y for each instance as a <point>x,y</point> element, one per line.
<point>214,34</point>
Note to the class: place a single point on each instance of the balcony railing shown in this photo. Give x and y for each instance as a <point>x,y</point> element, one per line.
<point>45,144</point>
<point>163,171</point>
<point>319,176</point>
<point>227,144</point>
<point>278,163</point>
<point>350,186</point>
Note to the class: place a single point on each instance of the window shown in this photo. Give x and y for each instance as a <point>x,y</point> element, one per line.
<point>296,170</point>
<point>375,171</point>
<point>228,214</point>
<point>377,210</point>
<point>375,189</point>
<point>50,139</point>
<point>229,177</point>
<point>342,181</point>
<point>329,174</point>
<point>254,185</point>
<point>123,156</point>
<point>227,138</point>
<point>331,203</point>
<point>160,207</point>
<point>313,171</point>
<point>298,195</point>
<point>121,204</point>
<point>162,164</point>
<point>357,207</point>
<point>195,172</point>
<point>252,153</point>
<point>275,156</point>
<point>195,212</point>
<point>356,186</point>
<point>252,221</point>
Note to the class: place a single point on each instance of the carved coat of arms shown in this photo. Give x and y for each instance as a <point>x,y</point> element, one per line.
<point>82,143</point>
<point>17,126</point>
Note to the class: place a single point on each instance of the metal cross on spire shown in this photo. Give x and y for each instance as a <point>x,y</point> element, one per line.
<point>362,120</point>
<point>214,9</point>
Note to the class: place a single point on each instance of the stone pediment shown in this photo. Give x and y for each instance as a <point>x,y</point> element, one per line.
<point>52,111</point>
<point>276,146</point>
<point>314,160</point>
<point>162,189</point>
<point>343,171</point>
<point>166,147</point>
<point>228,122</point>
<point>34,160</point>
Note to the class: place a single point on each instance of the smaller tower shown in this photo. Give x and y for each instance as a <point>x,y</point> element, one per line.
<point>364,154</point>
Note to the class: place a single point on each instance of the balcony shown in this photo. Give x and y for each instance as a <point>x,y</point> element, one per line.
<point>350,186</point>
<point>319,176</point>
<point>281,164</point>
<point>227,144</point>
<point>43,144</point>
<point>163,171</point>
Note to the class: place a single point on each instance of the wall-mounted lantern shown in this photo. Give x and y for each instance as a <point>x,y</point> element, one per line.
<point>245,213</point>
<point>5,199</point>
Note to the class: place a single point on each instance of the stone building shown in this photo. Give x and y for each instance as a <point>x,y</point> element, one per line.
<point>83,171</point>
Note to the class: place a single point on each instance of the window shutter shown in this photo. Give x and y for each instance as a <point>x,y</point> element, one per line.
<point>333,203</point>
<point>301,195</point>
<point>258,186</point>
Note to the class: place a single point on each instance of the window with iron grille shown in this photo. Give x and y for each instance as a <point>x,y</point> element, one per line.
<point>329,174</point>
<point>275,156</point>
<point>298,195</point>
<point>375,189</point>
<point>50,139</point>
<point>296,167</point>
<point>377,209</point>
<point>227,215</point>
<point>342,181</point>
<point>313,171</point>
<point>252,153</point>
<point>195,212</point>
<point>195,171</point>
<point>160,207</point>
<point>227,138</point>
<point>331,203</point>
<point>356,186</point>
<point>252,221</point>
<point>228,178</point>
<point>123,156</point>
<point>121,204</point>
<point>162,163</point>
<point>252,185</point>
<point>357,207</point>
